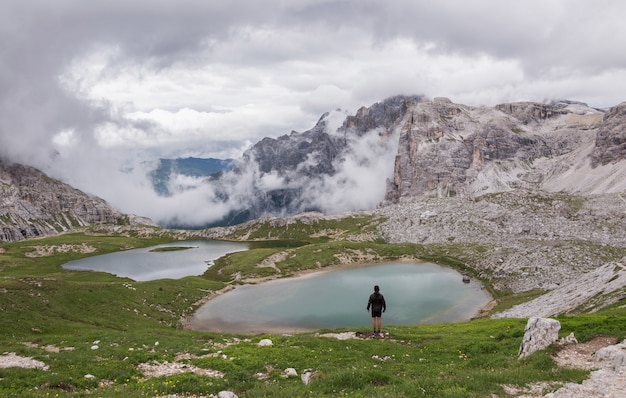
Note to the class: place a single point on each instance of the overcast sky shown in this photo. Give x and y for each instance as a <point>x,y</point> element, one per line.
<point>108,82</point>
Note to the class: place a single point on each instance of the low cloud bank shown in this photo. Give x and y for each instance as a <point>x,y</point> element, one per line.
<point>358,183</point>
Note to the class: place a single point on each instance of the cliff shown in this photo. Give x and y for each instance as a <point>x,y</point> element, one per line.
<point>441,149</point>
<point>34,204</point>
<point>447,149</point>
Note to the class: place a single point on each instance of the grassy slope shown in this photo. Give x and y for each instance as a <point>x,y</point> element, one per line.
<point>44,305</point>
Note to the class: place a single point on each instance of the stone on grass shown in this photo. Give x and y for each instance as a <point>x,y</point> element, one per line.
<point>265,343</point>
<point>226,394</point>
<point>538,335</point>
<point>290,372</point>
<point>306,377</point>
<point>569,339</point>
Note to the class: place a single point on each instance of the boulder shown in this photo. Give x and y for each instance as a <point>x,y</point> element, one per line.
<point>290,372</point>
<point>615,353</point>
<point>538,335</point>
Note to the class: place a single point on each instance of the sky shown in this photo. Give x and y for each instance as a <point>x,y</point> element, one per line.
<point>93,91</point>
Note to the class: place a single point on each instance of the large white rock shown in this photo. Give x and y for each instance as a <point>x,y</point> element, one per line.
<point>290,372</point>
<point>538,335</point>
<point>226,394</point>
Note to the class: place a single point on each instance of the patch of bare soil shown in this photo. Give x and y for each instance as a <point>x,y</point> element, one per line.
<point>581,355</point>
<point>49,347</point>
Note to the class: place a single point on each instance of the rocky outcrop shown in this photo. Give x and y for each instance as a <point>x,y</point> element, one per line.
<point>33,204</point>
<point>290,152</point>
<point>521,240</point>
<point>538,335</point>
<point>529,112</point>
<point>610,145</point>
<point>447,149</point>
<point>596,289</point>
<point>299,161</point>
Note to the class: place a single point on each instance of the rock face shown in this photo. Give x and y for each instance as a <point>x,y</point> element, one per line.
<point>283,172</point>
<point>600,287</point>
<point>33,204</point>
<point>447,149</point>
<point>610,146</point>
<point>443,150</point>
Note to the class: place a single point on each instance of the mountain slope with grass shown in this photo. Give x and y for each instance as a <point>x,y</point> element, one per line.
<point>536,214</point>
<point>92,333</point>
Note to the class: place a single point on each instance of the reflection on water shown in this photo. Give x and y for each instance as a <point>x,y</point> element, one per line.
<point>147,264</point>
<point>415,293</point>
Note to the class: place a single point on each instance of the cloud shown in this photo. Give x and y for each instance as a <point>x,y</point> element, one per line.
<point>91,88</point>
<point>360,180</point>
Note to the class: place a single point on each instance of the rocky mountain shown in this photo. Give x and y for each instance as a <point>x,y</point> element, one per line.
<point>33,204</point>
<point>441,149</point>
<point>527,195</point>
<point>447,149</point>
<point>306,171</point>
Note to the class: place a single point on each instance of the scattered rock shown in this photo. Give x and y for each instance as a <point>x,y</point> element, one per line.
<point>265,343</point>
<point>538,335</point>
<point>157,369</point>
<point>606,381</point>
<point>569,339</point>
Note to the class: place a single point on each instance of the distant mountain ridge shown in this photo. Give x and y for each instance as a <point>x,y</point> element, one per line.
<point>34,205</point>
<point>167,169</point>
<point>442,149</point>
<point>404,147</point>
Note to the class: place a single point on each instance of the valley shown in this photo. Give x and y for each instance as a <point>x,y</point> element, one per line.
<point>527,198</point>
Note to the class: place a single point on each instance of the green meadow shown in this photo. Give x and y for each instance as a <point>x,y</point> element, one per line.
<point>100,335</point>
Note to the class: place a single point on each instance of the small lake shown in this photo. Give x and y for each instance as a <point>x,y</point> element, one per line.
<point>415,292</point>
<point>161,261</point>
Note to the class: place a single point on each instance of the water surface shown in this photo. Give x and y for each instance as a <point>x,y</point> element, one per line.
<point>147,264</point>
<point>418,292</point>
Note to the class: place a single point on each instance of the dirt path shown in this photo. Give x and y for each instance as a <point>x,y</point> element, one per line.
<point>605,381</point>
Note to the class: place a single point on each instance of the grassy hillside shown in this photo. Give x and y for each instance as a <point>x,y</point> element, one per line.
<point>113,329</point>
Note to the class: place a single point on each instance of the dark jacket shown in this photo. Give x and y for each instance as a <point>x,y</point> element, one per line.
<point>377,302</point>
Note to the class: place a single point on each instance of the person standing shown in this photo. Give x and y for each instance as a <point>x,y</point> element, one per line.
<point>378,305</point>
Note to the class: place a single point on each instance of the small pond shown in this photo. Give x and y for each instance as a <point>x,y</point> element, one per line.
<point>415,292</point>
<point>171,260</point>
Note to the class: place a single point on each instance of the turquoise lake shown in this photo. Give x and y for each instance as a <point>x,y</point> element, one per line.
<point>145,264</point>
<point>415,292</point>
